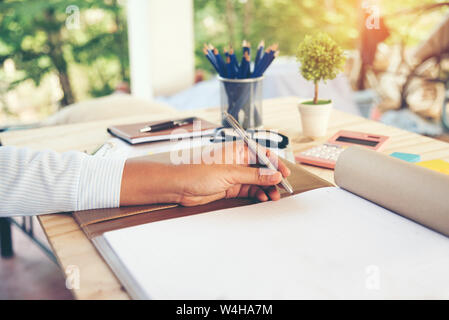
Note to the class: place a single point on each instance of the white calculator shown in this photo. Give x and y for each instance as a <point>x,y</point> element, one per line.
<point>326,155</point>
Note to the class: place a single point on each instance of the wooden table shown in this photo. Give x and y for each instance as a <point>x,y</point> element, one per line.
<point>71,246</point>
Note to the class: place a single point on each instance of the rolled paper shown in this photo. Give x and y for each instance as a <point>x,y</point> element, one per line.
<point>414,192</point>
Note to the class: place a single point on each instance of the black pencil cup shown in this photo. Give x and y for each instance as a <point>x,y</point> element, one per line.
<point>242,98</point>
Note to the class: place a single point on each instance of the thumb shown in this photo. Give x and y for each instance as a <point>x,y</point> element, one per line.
<point>256,176</point>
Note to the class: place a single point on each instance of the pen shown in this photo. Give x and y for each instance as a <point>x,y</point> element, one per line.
<point>167,125</point>
<point>252,145</point>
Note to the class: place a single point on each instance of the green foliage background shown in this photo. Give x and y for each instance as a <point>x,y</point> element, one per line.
<point>33,33</point>
<point>276,21</point>
<point>95,57</point>
<point>288,21</point>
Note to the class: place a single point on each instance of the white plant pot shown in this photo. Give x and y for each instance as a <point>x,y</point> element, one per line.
<point>314,118</point>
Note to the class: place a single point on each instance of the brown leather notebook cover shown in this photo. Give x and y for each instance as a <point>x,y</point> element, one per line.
<point>131,132</point>
<point>96,222</point>
<point>88,217</point>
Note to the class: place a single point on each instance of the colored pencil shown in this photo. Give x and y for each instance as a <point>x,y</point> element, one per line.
<point>262,62</point>
<point>259,53</point>
<point>221,65</point>
<point>246,72</point>
<point>228,66</point>
<point>211,60</point>
<point>246,46</point>
<point>234,63</point>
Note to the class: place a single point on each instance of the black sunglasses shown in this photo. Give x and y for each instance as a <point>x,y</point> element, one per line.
<point>266,138</point>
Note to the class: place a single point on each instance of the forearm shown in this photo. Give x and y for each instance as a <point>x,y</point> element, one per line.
<point>38,182</point>
<point>146,182</point>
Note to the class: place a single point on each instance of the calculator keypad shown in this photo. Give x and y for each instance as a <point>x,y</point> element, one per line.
<point>325,153</point>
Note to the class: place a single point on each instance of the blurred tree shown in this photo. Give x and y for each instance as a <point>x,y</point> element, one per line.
<point>47,36</point>
<point>104,48</point>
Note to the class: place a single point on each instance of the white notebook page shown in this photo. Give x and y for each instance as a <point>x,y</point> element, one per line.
<point>326,243</point>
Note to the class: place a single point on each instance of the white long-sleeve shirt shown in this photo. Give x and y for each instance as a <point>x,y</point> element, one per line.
<point>39,182</point>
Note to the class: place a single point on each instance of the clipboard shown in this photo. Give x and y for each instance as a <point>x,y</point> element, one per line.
<point>96,222</point>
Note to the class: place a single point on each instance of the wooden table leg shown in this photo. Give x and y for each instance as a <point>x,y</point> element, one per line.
<point>5,238</point>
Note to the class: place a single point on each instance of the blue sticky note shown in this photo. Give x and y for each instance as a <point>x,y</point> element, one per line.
<point>409,157</point>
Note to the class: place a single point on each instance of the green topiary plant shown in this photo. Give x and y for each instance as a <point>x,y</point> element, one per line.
<point>321,58</point>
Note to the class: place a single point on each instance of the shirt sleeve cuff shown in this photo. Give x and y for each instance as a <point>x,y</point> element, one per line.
<point>100,182</point>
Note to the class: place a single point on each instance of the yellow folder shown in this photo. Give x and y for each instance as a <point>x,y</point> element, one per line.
<point>436,165</point>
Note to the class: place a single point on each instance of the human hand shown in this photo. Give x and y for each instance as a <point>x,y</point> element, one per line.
<point>230,175</point>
